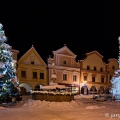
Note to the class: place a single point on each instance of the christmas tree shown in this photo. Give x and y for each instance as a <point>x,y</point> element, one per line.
<point>9,84</point>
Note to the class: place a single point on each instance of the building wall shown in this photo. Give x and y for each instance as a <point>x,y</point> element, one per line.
<point>24,64</point>
<point>30,58</point>
<point>93,59</point>
<point>111,62</point>
<point>70,68</point>
<point>15,53</point>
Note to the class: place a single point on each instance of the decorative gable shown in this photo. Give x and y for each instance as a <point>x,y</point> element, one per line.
<point>64,51</point>
<point>94,52</point>
<point>94,60</point>
<point>31,57</point>
<point>113,64</point>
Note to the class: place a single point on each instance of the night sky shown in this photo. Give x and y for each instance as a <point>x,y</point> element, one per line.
<point>83,26</point>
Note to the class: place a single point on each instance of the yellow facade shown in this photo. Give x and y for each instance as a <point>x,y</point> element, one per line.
<point>97,77</point>
<point>32,70</point>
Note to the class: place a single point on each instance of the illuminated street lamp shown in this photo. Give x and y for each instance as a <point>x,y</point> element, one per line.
<point>85,92</point>
<point>84,83</point>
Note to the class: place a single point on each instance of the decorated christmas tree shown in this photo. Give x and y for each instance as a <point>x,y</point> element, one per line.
<point>9,84</point>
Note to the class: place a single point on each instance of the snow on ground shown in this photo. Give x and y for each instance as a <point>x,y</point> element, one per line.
<point>82,108</point>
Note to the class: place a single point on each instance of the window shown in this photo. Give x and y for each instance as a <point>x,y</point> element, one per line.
<point>101,69</point>
<point>110,77</point>
<point>74,77</point>
<point>64,76</point>
<point>93,79</point>
<point>23,74</point>
<point>85,78</point>
<point>93,89</point>
<point>95,69</point>
<point>102,79</point>
<point>32,62</point>
<point>64,61</point>
<point>113,67</point>
<point>88,67</point>
<point>34,74</point>
<point>41,75</point>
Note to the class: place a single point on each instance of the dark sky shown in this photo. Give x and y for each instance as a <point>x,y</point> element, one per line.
<point>83,26</point>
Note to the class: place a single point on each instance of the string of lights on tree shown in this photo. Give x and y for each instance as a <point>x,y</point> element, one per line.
<point>9,83</point>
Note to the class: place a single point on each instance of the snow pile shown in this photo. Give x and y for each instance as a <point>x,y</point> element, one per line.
<point>86,96</point>
<point>2,107</point>
<point>53,105</point>
<point>58,106</point>
<point>80,109</point>
<point>100,99</point>
<point>94,107</point>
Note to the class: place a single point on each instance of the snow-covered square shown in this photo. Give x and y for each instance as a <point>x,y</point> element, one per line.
<point>82,108</point>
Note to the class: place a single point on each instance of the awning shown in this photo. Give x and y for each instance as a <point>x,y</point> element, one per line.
<point>53,87</point>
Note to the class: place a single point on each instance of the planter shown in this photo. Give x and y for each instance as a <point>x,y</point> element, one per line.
<point>53,97</point>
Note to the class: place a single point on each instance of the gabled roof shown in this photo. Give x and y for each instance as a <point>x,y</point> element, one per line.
<point>65,48</point>
<point>94,52</point>
<point>113,59</point>
<point>14,50</point>
<point>32,49</point>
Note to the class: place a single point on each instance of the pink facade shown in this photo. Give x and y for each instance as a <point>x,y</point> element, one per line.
<point>67,69</point>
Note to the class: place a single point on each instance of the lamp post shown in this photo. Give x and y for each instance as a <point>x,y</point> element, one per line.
<point>119,52</point>
<point>80,76</point>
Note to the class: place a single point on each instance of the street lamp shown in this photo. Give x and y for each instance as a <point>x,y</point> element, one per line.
<point>80,76</point>
<point>119,52</point>
<point>84,82</point>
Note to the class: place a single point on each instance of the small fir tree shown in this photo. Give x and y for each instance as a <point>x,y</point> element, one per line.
<point>9,84</point>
